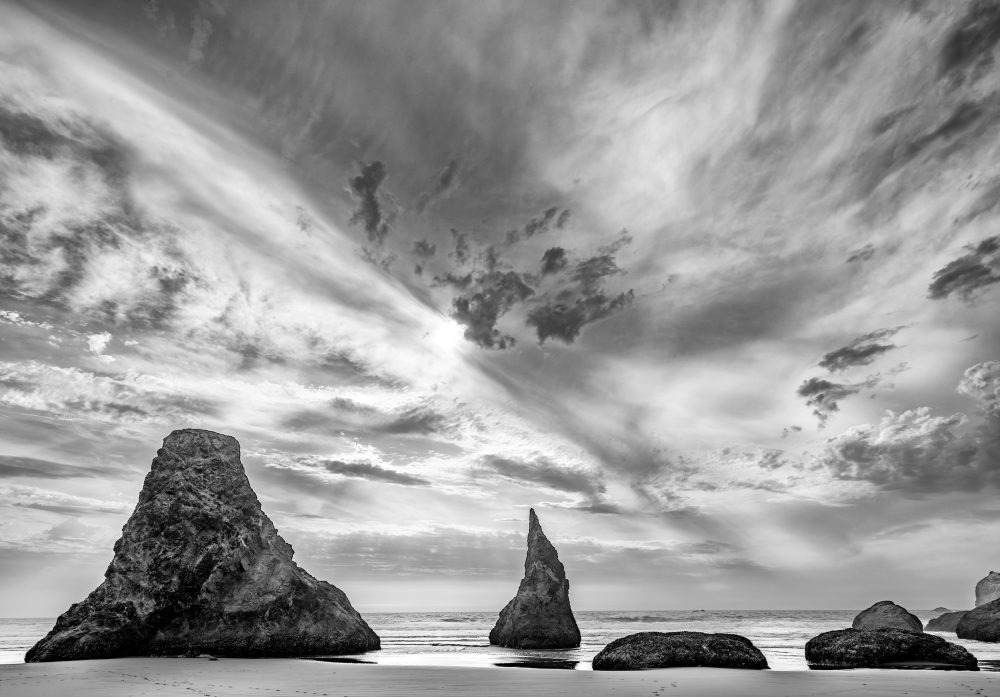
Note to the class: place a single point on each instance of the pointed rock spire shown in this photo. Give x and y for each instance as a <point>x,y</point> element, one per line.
<point>539,616</point>
<point>201,569</point>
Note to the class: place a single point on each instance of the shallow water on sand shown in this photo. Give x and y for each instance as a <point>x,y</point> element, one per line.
<point>461,638</point>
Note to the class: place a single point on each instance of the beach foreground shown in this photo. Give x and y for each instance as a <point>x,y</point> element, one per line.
<point>193,676</point>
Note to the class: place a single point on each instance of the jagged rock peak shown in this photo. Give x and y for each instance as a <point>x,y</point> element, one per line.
<point>200,568</point>
<point>539,616</point>
<point>988,589</point>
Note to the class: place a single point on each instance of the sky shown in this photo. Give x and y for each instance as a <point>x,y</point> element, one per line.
<point>714,287</point>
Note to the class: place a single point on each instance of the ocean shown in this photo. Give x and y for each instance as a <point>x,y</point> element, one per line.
<point>461,638</point>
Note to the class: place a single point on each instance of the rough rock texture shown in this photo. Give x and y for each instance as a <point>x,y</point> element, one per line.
<point>948,622</point>
<point>887,614</point>
<point>647,650</point>
<point>981,623</point>
<point>539,616</point>
<point>200,569</point>
<point>885,648</point>
<point>988,589</point>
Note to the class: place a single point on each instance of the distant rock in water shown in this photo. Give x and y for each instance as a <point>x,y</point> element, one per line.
<point>888,614</point>
<point>981,623</point>
<point>201,569</point>
<point>886,648</point>
<point>988,589</point>
<point>539,616</point>
<point>647,650</point>
<point>940,609</point>
<point>948,622</point>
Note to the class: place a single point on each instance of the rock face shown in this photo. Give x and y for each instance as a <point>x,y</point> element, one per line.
<point>539,616</point>
<point>988,589</point>
<point>647,650</point>
<point>200,569</point>
<point>887,614</point>
<point>981,623</point>
<point>885,648</point>
<point>948,622</point>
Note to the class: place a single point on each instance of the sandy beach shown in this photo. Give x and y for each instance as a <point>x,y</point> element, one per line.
<point>180,676</point>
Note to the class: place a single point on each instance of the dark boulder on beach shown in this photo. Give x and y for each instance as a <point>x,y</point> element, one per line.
<point>201,569</point>
<point>887,614</point>
<point>886,648</point>
<point>647,650</point>
<point>948,622</point>
<point>539,616</point>
<point>988,589</point>
<point>981,623</point>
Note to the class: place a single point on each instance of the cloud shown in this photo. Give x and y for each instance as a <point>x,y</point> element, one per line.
<point>58,502</point>
<point>861,254</point>
<point>862,351</point>
<point>375,473</point>
<point>545,472</point>
<point>567,314</point>
<point>363,463</point>
<point>30,467</point>
<point>911,451</point>
<point>77,393</point>
<point>982,383</point>
<point>480,309</point>
<point>542,223</point>
<point>554,260</point>
<point>825,396</point>
<point>445,184</point>
<point>422,249</point>
<point>365,188</point>
<point>968,274</point>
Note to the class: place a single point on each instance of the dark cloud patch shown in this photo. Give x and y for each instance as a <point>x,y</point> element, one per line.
<point>445,184</point>
<point>862,351</point>
<point>480,309</point>
<point>422,249</point>
<point>29,467</point>
<point>453,280</point>
<point>365,188</point>
<point>546,473</point>
<point>554,260</point>
<point>566,316</point>
<point>375,473</point>
<point>347,415</point>
<point>970,273</point>
<point>461,253</point>
<point>563,220</point>
<point>600,508</point>
<point>825,396</point>
<point>861,254</point>
<point>413,421</point>
<point>970,43</point>
<point>542,223</point>
<point>785,432</point>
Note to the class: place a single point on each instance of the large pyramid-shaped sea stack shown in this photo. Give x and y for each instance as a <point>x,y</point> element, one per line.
<point>539,616</point>
<point>200,568</point>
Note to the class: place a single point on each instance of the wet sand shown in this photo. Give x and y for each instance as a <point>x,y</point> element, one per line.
<point>204,678</point>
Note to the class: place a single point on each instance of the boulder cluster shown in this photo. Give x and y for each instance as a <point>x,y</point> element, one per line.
<point>885,635</point>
